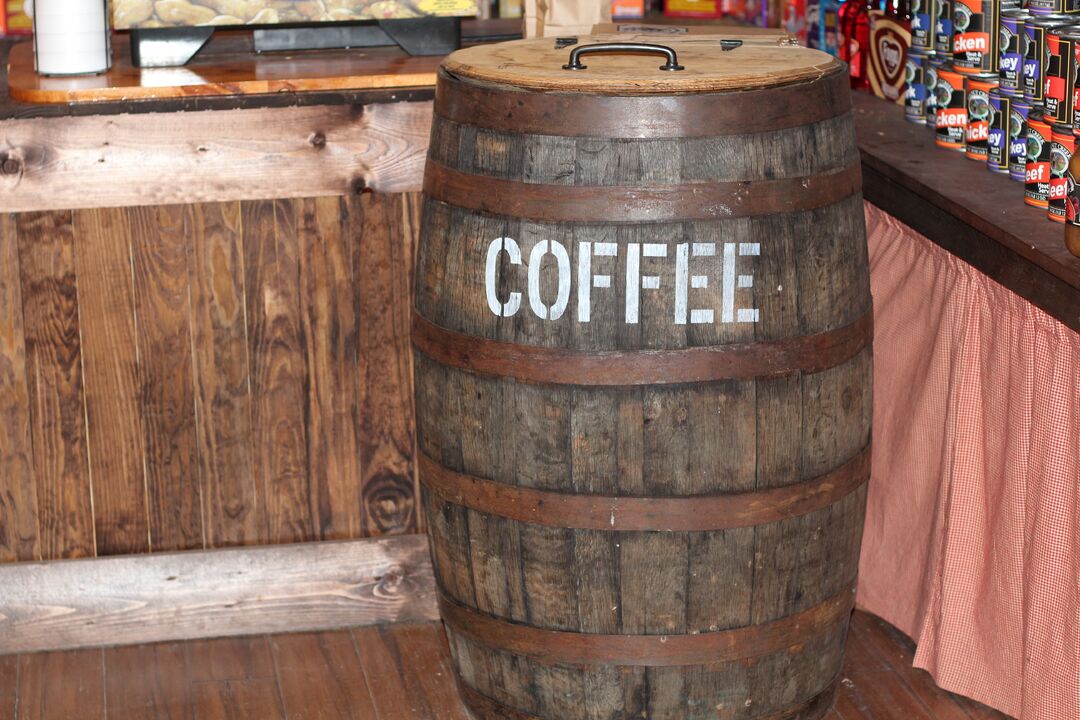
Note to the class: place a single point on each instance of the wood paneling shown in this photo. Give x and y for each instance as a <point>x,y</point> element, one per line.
<point>55,373</point>
<point>233,512</point>
<point>384,397</point>
<point>113,402</point>
<point>84,162</point>
<point>207,375</point>
<point>277,355</point>
<point>18,499</point>
<point>232,591</point>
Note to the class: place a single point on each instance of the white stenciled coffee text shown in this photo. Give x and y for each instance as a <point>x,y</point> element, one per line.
<point>551,303</point>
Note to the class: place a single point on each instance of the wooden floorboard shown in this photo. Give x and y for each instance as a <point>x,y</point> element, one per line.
<point>390,672</point>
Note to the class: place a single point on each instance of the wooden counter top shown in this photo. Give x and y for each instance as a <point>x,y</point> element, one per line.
<point>975,214</point>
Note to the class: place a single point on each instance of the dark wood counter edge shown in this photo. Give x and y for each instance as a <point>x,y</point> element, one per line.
<point>976,215</point>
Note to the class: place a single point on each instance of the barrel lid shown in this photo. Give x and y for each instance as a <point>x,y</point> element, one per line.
<point>761,61</point>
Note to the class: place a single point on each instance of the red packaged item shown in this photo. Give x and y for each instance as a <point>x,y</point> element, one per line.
<point>14,20</point>
<point>855,40</point>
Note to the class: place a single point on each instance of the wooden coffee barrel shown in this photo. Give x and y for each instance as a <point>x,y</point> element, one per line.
<point>643,379</point>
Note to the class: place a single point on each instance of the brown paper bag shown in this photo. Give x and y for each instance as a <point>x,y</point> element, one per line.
<point>558,18</point>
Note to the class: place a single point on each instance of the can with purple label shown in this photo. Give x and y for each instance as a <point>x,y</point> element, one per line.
<point>1011,62</point>
<point>1035,54</point>
<point>997,138</point>
<point>1017,138</point>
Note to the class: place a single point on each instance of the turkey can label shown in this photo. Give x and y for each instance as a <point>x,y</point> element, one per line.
<point>915,92</point>
<point>997,139</point>
<point>923,17</point>
<point>977,90</point>
<point>1074,120</point>
<point>1037,168</point>
<point>1034,55</point>
<point>1017,139</point>
<point>1058,76</point>
<point>1062,184</point>
<point>951,112</point>
<point>975,35</point>
<point>943,28</point>
<point>1011,44</point>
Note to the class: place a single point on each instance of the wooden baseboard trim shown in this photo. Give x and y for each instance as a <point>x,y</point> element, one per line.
<point>214,593</point>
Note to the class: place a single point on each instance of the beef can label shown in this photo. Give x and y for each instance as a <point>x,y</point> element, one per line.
<point>952,116</point>
<point>1062,184</point>
<point>923,16</point>
<point>1011,61</point>
<point>997,138</point>
<point>915,92</point>
<point>977,132</point>
<point>1037,168</point>
<point>1058,77</point>
<point>943,28</point>
<point>1017,139</point>
<point>975,35</point>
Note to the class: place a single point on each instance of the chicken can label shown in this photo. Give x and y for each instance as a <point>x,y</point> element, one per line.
<point>1037,168</point>
<point>923,16</point>
<point>1017,139</point>
<point>952,116</point>
<point>975,35</point>
<point>915,92</point>
<point>1062,184</point>
<point>977,101</point>
<point>1011,61</point>
<point>943,28</point>
<point>997,138</point>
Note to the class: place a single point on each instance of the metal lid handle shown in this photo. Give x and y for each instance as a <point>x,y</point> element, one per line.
<point>574,63</point>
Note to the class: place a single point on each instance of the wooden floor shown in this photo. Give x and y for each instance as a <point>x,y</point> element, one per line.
<point>398,672</point>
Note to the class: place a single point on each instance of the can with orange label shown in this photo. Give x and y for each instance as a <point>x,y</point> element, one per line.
<point>977,90</point>
<point>951,110</point>
<point>1059,74</point>
<point>975,40</point>
<point>1037,167</point>
<point>1062,183</point>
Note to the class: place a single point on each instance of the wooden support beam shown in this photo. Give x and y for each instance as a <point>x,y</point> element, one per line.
<point>123,160</point>
<point>236,591</point>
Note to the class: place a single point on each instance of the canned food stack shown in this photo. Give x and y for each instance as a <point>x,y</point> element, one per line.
<point>997,81</point>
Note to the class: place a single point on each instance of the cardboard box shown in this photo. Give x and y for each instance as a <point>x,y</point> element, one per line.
<point>186,13</point>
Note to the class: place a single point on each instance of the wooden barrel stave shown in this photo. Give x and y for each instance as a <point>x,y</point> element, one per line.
<point>646,441</point>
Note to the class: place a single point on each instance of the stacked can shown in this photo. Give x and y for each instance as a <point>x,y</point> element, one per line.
<point>975,36</point>
<point>1052,7</point>
<point>1062,147</point>
<point>943,28</point>
<point>931,65</point>
<point>977,89</point>
<point>1059,74</point>
<point>1035,29</point>
<point>1072,211</point>
<point>1011,48</point>
<point>1018,129</point>
<point>1037,167</point>
<point>951,110</point>
<point>923,17</point>
<point>997,138</point>
<point>916,93</point>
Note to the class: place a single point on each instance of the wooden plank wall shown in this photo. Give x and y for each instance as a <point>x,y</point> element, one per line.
<point>205,375</point>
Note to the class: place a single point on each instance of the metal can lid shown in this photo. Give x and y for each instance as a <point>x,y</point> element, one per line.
<point>1018,13</point>
<point>1050,20</point>
<point>1062,129</point>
